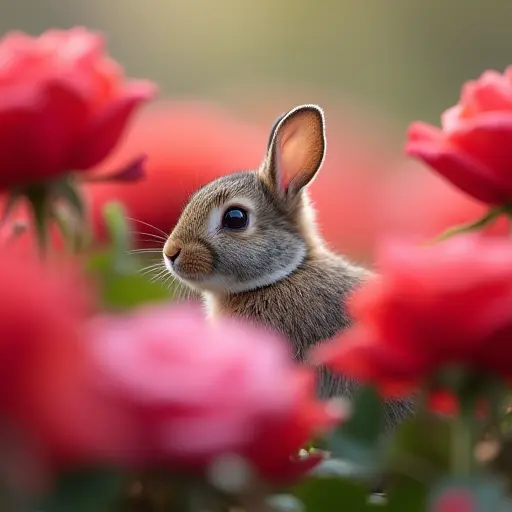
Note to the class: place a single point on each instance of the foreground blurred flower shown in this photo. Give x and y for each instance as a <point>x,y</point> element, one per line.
<point>473,149</point>
<point>431,307</point>
<point>65,105</point>
<point>43,363</point>
<point>192,391</point>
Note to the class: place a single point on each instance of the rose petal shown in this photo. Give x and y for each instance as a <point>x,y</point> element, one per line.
<point>58,125</point>
<point>421,132</point>
<point>488,139</point>
<point>106,129</point>
<point>461,170</point>
<point>490,94</point>
<point>36,131</point>
<point>129,173</point>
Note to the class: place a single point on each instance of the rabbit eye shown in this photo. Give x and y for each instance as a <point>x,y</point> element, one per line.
<point>235,218</point>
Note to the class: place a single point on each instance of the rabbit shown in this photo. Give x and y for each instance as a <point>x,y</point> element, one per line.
<point>249,244</point>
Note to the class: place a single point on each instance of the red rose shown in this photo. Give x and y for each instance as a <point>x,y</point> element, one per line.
<point>64,105</point>
<point>192,391</point>
<point>473,149</point>
<point>430,307</point>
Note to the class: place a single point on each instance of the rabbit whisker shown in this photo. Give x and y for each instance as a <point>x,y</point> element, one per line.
<point>149,225</point>
<point>157,236</point>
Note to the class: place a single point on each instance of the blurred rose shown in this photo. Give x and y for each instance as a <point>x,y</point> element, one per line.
<point>454,499</point>
<point>431,306</point>
<point>192,391</point>
<point>473,149</point>
<point>65,104</point>
<point>43,361</point>
<point>188,144</point>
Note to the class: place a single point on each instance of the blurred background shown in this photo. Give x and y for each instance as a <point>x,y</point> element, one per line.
<point>227,68</point>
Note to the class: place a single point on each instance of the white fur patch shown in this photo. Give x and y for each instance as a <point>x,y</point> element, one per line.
<point>219,283</point>
<point>209,304</point>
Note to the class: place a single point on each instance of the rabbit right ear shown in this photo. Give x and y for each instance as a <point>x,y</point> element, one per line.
<point>296,150</point>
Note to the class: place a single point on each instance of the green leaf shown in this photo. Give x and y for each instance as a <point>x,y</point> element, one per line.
<point>489,218</point>
<point>117,227</point>
<point>121,283</point>
<point>125,288</point>
<point>407,495</point>
<point>486,493</point>
<point>358,439</point>
<point>39,199</point>
<point>84,491</point>
<point>68,191</point>
<point>421,445</point>
<point>367,421</point>
<point>329,494</point>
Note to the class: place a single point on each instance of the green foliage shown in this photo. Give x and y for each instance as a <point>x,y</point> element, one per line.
<point>358,439</point>
<point>421,444</point>
<point>407,495</point>
<point>326,494</point>
<point>118,272</point>
<point>93,490</point>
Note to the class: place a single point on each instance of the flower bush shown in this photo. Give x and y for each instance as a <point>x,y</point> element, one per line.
<point>117,397</point>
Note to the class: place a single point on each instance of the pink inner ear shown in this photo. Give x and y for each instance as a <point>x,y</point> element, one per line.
<point>288,150</point>
<point>297,151</point>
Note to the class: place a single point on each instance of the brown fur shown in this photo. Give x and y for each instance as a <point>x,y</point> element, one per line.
<point>306,302</point>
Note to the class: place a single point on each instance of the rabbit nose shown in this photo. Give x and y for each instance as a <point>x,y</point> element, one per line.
<point>174,256</point>
<point>172,250</point>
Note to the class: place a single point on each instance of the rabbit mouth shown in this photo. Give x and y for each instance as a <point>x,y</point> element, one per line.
<point>197,280</point>
<point>190,262</point>
<point>189,275</point>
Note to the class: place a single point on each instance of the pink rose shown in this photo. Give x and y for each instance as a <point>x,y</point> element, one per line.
<point>190,391</point>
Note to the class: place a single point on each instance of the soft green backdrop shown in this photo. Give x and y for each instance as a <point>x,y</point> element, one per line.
<point>406,58</point>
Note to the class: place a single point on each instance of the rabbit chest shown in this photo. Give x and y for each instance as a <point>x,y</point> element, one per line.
<point>306,307</point>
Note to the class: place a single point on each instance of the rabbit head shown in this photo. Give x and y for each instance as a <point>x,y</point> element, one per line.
<point>250,229</point>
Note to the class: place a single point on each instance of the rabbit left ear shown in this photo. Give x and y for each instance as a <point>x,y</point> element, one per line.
<point>296,150</point>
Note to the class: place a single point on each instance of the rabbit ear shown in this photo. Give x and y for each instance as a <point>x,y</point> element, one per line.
<point>296,150</point>
<point>273,130</point>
